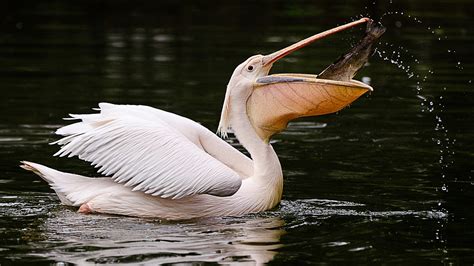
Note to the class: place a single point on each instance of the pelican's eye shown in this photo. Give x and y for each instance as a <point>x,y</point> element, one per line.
<point>250,68</point>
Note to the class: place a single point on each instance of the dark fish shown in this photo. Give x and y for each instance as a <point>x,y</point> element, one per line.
<point>346,66</point>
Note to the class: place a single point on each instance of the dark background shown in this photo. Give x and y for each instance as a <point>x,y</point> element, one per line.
<point>403,153</point>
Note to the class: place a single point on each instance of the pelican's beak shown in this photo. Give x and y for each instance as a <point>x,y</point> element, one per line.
<point>272,58</point>
<point>277,99</point>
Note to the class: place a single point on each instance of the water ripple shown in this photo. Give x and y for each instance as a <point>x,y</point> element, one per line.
<point>63,235</point>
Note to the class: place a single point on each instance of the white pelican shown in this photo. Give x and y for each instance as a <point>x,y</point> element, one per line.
<point>162,165</point>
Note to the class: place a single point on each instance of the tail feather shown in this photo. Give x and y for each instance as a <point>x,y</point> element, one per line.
<point>36,168</point>
<point>49,175</point>
<point>72,189</point>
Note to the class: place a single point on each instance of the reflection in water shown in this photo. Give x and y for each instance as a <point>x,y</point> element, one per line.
<point>62,235</point>
<point>83,239</point>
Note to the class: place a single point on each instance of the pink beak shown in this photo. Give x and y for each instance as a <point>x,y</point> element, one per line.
<point>271,58</point>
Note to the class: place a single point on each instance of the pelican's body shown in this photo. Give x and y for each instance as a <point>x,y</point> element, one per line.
<point>163,165</point>
<point>259,190</point>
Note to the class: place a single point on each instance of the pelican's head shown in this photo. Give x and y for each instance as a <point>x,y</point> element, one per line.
<point>247,73</point>
<point>240,88</point>
<point>271,101</point>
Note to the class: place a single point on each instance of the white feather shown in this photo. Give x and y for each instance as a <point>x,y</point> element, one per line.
<point>141,150</point>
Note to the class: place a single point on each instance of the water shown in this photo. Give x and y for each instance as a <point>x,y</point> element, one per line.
<point>387,180</point>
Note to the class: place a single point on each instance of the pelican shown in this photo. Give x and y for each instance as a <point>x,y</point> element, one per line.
<point>157,164</point>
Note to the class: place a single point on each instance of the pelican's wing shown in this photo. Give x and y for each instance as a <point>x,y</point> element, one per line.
<point>146,154</point>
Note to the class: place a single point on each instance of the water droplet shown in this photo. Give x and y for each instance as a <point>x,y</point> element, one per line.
<point>421,97</point>
<point>366,80</point>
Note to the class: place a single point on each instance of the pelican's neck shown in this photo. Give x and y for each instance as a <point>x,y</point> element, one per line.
<point>266,164</point>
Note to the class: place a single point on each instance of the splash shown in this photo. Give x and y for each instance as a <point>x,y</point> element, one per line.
<point>421,73</point>
<point>314,211</point>
<point>432,106</point>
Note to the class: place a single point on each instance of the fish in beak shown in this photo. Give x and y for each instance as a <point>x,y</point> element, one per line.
<point>279,98</point>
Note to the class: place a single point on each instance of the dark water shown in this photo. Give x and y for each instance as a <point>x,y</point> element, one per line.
<point>388,180</point>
